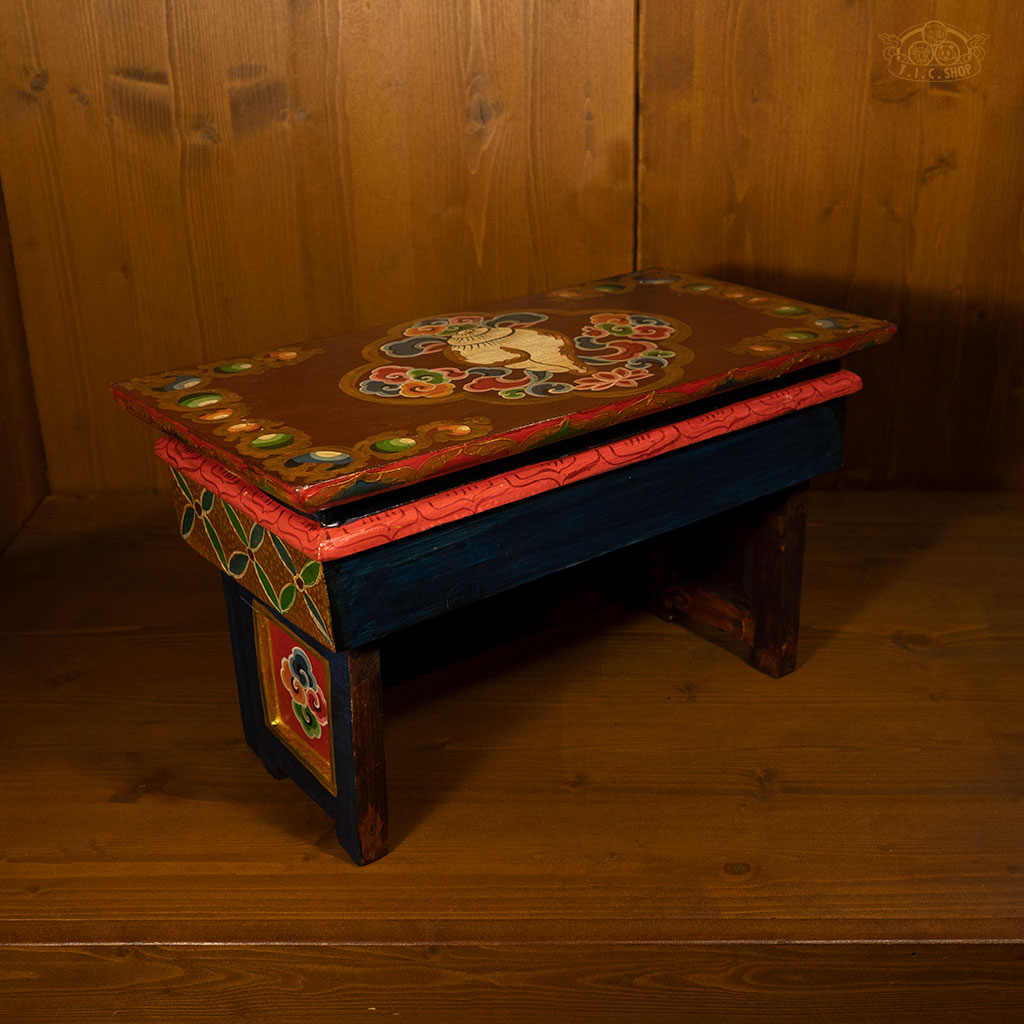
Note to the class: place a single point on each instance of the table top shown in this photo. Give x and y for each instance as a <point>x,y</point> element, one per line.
<point>330,422</point>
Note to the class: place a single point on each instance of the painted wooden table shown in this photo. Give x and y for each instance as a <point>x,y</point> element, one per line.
<point>353,487</point>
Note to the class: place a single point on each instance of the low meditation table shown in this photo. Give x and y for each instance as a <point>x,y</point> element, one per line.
<point>353,487</point>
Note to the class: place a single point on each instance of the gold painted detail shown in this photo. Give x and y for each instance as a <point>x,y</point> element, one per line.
<point>806,323</point>
<point>258,559</point>
<point>203,396</point>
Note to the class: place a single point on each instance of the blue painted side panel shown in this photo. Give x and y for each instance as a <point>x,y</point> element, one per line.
<point>276,757</point>
<point>379,591</point>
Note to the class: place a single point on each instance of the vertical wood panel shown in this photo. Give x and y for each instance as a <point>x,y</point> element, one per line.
<point>23,482</point>
<point>777,149</point>
<point>187,180</point>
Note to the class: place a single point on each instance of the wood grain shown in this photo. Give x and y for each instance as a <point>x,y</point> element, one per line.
<point>841,846</point>
<point>22,463</point>
<point>584,772</point>
<point>777,150</point>
<point>191,180</point>
<point>596,815</point>
<point>367,713</point>
<point>756,983</point>
<point>761,547</point>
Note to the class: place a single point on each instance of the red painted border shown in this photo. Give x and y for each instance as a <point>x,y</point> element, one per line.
<point>328,543</point>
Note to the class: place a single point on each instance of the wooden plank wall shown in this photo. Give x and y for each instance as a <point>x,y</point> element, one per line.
<point>777,149</point>
<point>22,464</point>
<point>188,180</point>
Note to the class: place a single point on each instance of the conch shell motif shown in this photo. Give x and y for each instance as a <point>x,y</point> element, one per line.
<point>518,348</point>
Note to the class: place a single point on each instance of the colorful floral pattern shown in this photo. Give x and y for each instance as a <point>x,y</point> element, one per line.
<point>410,382</point>
<point>620,377</point>
<point>295,682</point>
<point>619,349</point>
<point>309,704</point>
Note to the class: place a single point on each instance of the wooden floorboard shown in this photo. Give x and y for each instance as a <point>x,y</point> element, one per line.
<point>594,813</point>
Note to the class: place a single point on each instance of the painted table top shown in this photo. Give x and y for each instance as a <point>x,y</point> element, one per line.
<point>326,423</point>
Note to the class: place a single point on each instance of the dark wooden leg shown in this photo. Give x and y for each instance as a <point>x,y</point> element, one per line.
<point>246,675</point>
<point>740,573</point>
<point>780,522</point>
<point>337,758</point>
<point>368,829</point>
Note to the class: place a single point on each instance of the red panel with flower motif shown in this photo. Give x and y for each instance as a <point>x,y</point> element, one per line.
<point>296,687</point>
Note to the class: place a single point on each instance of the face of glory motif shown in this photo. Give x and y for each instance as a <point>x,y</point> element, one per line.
<point>520,348</point>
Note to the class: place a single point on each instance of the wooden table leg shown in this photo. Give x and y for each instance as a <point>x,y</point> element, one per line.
<point>369,829</point>
<point>314,715</point>
<point>777,540</point>
<point>741,573</point>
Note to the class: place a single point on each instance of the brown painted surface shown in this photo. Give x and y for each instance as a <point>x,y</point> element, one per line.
<point>187,181</point>
<point>22,463</point>
<point>777,149</point>
<point>547,367</point>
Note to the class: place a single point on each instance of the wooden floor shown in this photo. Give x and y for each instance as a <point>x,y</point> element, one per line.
<point>596,815</point>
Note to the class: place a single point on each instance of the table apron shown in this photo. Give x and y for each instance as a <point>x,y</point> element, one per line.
<point>376,592</point>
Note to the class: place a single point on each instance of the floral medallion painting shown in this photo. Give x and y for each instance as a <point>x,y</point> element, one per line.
<point>296,686</point>
<point>521,357</point>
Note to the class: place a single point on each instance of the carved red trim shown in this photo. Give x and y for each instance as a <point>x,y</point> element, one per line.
<point>326,543</point>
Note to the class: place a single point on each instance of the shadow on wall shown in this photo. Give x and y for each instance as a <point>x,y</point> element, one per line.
<point>941,405</point>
